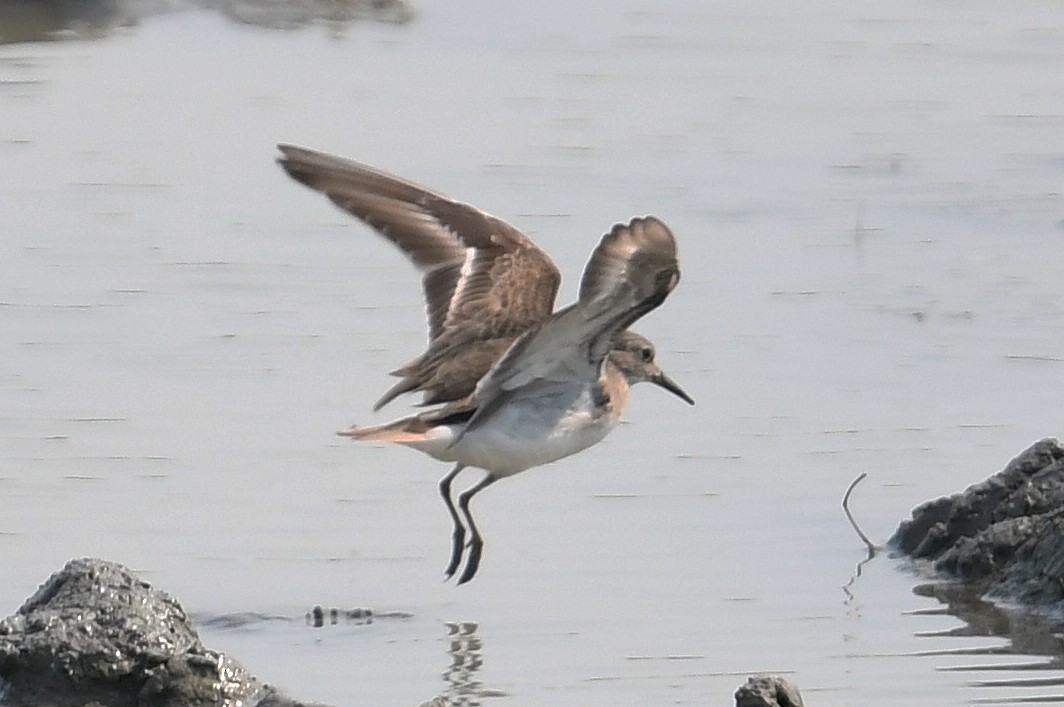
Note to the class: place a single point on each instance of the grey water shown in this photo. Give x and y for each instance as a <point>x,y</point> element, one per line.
<point>868,205</point>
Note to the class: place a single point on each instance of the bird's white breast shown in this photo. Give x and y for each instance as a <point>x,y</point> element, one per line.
<point>528,431</point>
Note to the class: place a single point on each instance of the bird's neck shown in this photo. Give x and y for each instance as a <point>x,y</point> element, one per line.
<point>612,393</point>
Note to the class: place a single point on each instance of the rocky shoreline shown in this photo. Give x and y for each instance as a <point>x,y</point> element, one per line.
<point>1001,539</point>
<point>95,635</point>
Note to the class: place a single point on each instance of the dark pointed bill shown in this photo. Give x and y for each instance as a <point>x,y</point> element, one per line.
<point>672,386</point>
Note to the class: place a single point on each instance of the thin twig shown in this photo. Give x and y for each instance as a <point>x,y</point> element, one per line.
<point>846,507</point>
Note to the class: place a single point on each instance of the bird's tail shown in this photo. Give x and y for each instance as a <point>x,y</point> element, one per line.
<point>402,431</point>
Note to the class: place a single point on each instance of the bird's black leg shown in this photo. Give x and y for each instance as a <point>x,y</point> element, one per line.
<point>458,534</point>
<point>476,543</point>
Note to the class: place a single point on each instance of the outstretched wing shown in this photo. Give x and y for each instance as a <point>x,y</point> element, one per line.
<point>484,281</point>
<point>630,273</point>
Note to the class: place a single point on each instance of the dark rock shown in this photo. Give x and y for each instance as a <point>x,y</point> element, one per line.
<point>319,616</point>
<point>768,692</point>
<point>1004,535</point>
<point>95,634</point>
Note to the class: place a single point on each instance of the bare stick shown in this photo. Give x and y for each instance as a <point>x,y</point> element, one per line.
<point>846,507</point>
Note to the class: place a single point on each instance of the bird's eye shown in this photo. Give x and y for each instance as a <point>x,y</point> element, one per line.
<point>647,354</point>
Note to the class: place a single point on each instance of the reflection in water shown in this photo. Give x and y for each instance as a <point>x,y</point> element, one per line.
<point>1029,634</point>
<point>1035,642</point>
<point>45,20</point>
<point>290,14</point>
<point>28,21</point>
<point>848,587</point>
<point>464,647</point>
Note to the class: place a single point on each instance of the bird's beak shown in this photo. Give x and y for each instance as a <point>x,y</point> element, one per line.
<point>670,385</point>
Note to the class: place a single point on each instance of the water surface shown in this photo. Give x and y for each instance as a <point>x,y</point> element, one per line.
<point>868,206</point>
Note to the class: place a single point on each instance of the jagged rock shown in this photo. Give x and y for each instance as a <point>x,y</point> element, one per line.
<point>1004,535</point>
<point>95,634</point>
<point>768,692</point>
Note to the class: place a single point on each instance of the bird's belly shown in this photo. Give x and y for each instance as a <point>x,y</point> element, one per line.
<point>519,437</point>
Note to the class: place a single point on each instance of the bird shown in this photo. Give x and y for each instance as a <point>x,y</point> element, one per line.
<point>514,384</point>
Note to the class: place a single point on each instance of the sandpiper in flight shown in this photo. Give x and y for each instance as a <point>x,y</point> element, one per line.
<point>517,385</point>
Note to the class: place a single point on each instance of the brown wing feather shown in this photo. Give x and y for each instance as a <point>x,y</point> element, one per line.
<point>637,262</point>
<point>484,281</point>
<point>627,256</point>
<point>387,203</point>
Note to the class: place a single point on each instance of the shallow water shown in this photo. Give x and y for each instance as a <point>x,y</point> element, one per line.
<point>868,206</point>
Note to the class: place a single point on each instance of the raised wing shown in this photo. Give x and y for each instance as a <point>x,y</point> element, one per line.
<point>484,282</point>
<point>630,273</point>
